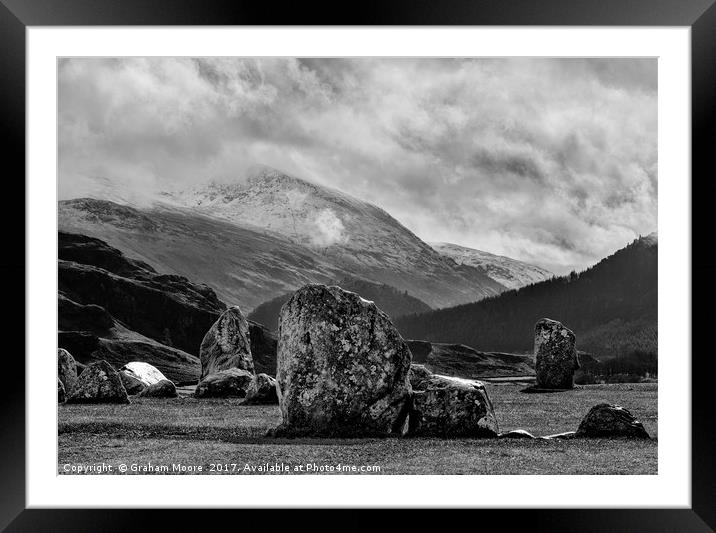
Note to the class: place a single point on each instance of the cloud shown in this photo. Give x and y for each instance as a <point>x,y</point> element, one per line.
<point>329,229</point>
<point>552,161</point>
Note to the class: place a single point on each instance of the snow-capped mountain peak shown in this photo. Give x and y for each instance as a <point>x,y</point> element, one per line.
<point>509,272</point>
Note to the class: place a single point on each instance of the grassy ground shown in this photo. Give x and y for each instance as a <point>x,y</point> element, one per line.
<point>206,433</point>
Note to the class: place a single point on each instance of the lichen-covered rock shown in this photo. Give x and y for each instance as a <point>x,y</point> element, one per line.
<point>262,391</point>
<point>230,383</point>
<point>61,396</point>
<point>226,345</point>
<point>452,407</point>
<point>556,356</point>
<point>160,389</point>
<point>609,420</point>
<point>418,375</point>
<point>342,367</point>
<point>99,383</point>
<point>66,369</point>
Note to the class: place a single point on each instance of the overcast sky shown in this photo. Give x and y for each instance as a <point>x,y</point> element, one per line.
<point>551,161</point>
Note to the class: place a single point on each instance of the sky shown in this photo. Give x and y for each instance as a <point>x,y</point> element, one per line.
<point>550,161</point>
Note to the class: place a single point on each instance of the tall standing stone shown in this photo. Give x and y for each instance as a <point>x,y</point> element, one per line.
<point>555,355</point>
<point>342,367</point>
<point>226,345</point>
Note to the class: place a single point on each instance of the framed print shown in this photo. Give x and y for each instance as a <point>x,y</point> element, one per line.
<point>342,256</point>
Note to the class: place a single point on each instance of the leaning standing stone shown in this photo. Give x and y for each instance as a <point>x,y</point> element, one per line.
<point>99,383</point>
<point>555,355</point>
<point>66,369</point>
<point>226,345</point>
<point>608,420</point>
<point>342,367</point>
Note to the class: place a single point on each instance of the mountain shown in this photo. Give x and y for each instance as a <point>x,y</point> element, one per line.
<point>511,273</point>
<point>611,307</point>
<point>118,309</point>
<point>393,302</point>
<point>244,266</point>
<point>357,237</point>
<point>256,240</point>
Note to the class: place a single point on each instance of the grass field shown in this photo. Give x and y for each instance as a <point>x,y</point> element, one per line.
<point>207,433</point>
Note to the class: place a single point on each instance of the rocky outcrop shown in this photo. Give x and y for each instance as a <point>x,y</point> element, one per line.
<point>61,396</point>
<point>262,391</point>
<point>609,420</point>
<point>452,407</point>
<point>555,355</point>
<point>342,367</point>
<point>160,389</point>
<point>164,307</point>
<point>66,370</point>
<point>226,345</point>
<point>99,383</point>
<point>231,383</point>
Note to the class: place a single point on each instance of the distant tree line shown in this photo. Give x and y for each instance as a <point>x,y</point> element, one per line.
<point>611,307</point>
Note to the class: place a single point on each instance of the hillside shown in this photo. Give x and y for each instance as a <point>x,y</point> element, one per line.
<point>611,307</point>
<point>509,272</point>
<point>393,302</point>
<point>118,309</point>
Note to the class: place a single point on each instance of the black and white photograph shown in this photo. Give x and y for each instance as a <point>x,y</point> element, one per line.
<point>357,265</point>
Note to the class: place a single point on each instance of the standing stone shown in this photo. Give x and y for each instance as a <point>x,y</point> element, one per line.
<point>342,367</point>
<point>262,391</point>
<point>555,355</point>
<point>99,383</point>
<point>609,420</point>
<point>66,369</point>
<point>226,345</point>
<point>452,407</point>
<point>61,396</point>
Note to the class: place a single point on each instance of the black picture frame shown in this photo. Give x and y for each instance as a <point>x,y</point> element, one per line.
<point>17,15</point>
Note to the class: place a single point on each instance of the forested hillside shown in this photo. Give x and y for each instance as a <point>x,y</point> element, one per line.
<point>611,307</point>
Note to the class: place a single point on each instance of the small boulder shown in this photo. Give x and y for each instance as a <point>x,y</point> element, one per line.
<point>230,383</point>
<point>609,420</point>
<point>262,391</point>
<point>418,376</point>
<point>555,355</point>
<point>61,396</point>
<point>342,367</point>
<point>144,372</point>
<point>99,383</point>
<point>226,345</point>
<point>160,389</point>
<point>131,384</point>
<point>516,434</point>
<point>66,369</point>
<point>137,376</point>
<point>452,407</point>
